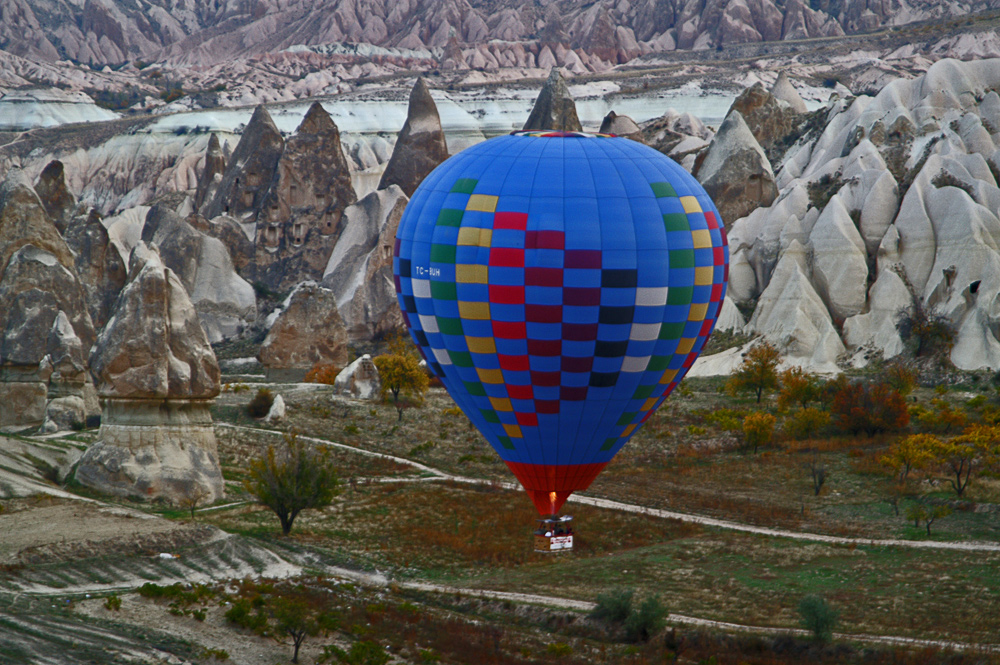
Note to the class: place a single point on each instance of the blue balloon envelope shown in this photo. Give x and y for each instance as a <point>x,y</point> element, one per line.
<point>560,285</point>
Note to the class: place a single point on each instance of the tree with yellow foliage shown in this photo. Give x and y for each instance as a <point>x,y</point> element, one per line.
<point>404,382</point>
<point>758,371</point>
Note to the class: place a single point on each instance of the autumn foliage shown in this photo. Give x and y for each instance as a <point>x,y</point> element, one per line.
<point>758,372</point>
<point>868,407</point>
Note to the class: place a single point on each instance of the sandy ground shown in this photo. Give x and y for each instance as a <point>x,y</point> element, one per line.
<point>36,530</point>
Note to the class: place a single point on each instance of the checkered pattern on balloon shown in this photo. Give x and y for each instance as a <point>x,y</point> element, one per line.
<point>560,285</point>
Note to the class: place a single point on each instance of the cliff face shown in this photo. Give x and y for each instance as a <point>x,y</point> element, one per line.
<point>201,33</point>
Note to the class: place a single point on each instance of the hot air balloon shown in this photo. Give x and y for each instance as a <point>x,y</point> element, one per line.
<point>560,285</point>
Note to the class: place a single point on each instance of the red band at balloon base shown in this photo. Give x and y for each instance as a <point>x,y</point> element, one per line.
<point>549,485</point>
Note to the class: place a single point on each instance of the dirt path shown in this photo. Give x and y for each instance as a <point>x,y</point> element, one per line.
<point>611,504</point>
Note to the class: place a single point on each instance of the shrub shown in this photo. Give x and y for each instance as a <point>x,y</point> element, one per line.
<point>646,620</point>
<point>261,403</point>
<point>869,407</point>
<point>806,423</point>
<point>361,653</point>
<point>113,603</point>
<point>758,429</point>
<point>614,606</point>
<point>758,372</point>
<point>818,617</point>
<point>326,374</point>
<point>296,479</point>
<point>797,387</point>
<point>900,377</point>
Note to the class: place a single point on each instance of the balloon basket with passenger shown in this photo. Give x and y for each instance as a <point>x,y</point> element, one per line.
<point>554,534</point>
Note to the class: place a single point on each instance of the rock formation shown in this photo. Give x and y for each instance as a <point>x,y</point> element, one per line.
<point>554,108</point>
<point>783,91</point>
<point>291,195</point>
<point>420,146</point>
<point>848,245</point>
<point>38,281</point>
<point>212,173</point>
<point>621,125</point>
<point>308,331</point>
<point>67,377</point>
<point>773,122</point>
<point>735,171</point>
<point>101,269</point>
<point>158,377</point>
<point>359,380</point>
<point>59,202</point>
<point>360,269</point>
<point>225,302</point>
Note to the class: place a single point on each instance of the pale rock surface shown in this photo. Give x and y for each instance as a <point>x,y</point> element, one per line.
<point>730,317</point>
<point>840,267</point>
<point>225,302</point>
<point>420,146</point>
<point>621,125</point>
<point>359,380</point>
<point>876,328</point>
<point>736,172</point>
<point>360,269</point>
<point>101,269</point>
<point>784,91</point>
<point>277,411</point>
<point>158,377</point>
<point>211,173</point>
<point>307,332</point>
<point>792,315</point>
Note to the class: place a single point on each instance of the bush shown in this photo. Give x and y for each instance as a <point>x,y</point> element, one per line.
<point>758,371</point>
<point>326,374</point>
<point>646,620</point>
<point>614,606</point>
<point>361,653</point>
<point>113,603</point>
<point>261,403</point>
<point>900,377</point>
<point>818,617</point>
<point>869,408</point>
<point>806,423</point>
<point>797,387</point>
<point>758,429</point>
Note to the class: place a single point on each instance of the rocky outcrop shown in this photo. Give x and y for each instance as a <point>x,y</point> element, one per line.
<point>360,269</point>
<point>621,125</point>
<point>211,174</point>
<point>38,281</point>
<point>289,195</point>
<point>98,264</point>
<point>554,108</point>
<point>783,91</point>
<point>681,136</point>
<point>247,178</point>
<point>891,204</point>
<point>308,331</point>
<point>67,376</point>
<point>359,380</point>
<point>59,202</point>
<point>420,146</point>
<point>224,301</point>
<point>773,122</point>
<point>158,377</point>
<point>736,172</point>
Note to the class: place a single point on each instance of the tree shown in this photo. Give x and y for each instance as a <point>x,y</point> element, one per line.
<point>797,387</point>
<point>868,407</point>
<point>296,478</point>
<point>978,446</point>
<point>758,371</point>
<point>758,429</point>
<point>297,617</point>
<point>911,452</point>
<point>818,617</point>
<point>284,611</point>
<point>400,374</point>
<point>918,512</point>
<point>644,621</point>
<point>817,471</point>
<point>614,606</point>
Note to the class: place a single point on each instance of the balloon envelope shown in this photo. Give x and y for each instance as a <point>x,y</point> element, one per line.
<point>560,285</point>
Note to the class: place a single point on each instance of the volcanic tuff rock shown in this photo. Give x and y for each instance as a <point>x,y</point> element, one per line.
<point>621,125</point>
<point>785,92</point>
<point>554,108</point>
<point>38,280</point>
<point>211,174</point>
<point>735,171</point>
<point>420,146</point>
<point>59,202</point>
<point>772,122</point>
<point>308,331</point>
<point>893,201</point>
<point>225,302</point>
<point>291,194</point>
<point>606,31</point>
<point>68,377</point>
<point>158,377</point>
<point>101,268</point>
<point>360,269</point>
<point>360,379</point>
